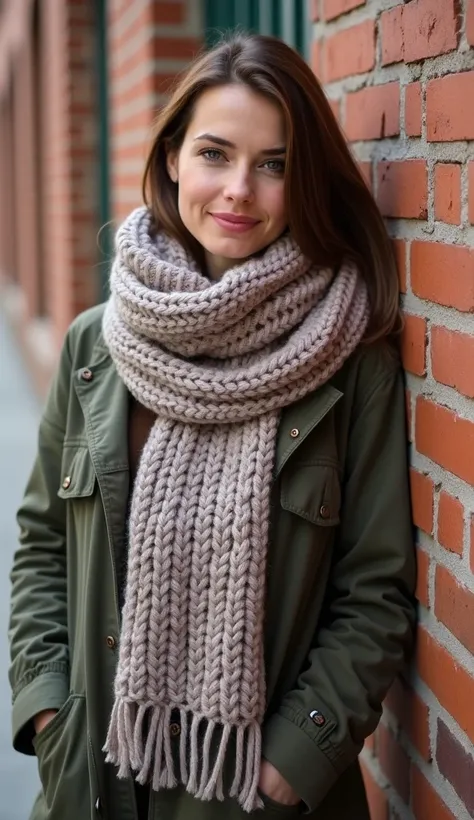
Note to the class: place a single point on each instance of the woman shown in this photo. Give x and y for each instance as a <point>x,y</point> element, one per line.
<point>213,590</point>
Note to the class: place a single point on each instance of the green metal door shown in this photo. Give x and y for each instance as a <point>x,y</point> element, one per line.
<point>287,19</point>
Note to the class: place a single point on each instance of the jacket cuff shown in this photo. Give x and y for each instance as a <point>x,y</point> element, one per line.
<point>298,759</point>
<point>48,690</point>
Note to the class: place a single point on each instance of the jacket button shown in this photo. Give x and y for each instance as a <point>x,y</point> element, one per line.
<point>67,482</point>
<point>325,511</point>
<point>111,642</point>
<point>175,729</point>
<point>87,375</point>
<point>294,433</point>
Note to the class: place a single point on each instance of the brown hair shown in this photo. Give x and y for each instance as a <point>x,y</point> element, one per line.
<point>331,212</point>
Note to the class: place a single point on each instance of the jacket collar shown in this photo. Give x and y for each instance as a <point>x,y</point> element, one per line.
<point>105,403</point>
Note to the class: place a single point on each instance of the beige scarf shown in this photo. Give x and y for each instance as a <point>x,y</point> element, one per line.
<point>216,362</point>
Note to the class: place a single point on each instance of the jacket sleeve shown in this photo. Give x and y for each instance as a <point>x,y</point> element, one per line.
<point>38,634</point>
<point>367,625</point>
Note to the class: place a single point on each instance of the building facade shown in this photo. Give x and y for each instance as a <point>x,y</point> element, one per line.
<point>80,84</point>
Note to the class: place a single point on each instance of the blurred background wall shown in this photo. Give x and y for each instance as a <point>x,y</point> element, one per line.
<point>80,84</point>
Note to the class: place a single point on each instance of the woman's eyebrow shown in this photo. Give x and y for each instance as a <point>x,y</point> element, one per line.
<point>268,152</point>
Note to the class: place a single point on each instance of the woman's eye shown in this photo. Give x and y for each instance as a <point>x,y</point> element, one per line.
<point>277,166</point>
<point>211,154</point>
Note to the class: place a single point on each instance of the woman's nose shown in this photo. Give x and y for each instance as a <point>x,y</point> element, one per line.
<point>239,186</point>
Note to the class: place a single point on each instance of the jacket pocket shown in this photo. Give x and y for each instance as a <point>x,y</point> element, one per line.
<point>312,491</point>
<point>78,478</point>
<point>273,809</point>
<point>61,749</point>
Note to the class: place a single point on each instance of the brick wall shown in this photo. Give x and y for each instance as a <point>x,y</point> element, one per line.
<point>401,78</point>
<point>148,43</point>
<point>48,171</point>
<point>69,159</point>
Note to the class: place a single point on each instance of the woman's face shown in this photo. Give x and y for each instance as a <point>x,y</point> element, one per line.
<point>230,173</point>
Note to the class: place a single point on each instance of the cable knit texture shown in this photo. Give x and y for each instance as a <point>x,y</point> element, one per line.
<point>216,362</point>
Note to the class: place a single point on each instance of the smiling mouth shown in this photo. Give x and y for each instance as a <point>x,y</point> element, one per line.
<point>236,218</point>
<point>234,222</point>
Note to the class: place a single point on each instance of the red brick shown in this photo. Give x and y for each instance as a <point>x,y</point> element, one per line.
<point>412,715</point>
<point>443,274</point>
<point>470,22</point>
<point>447,181</point>
<point>426,803</point>
<point>454,607</point>
<point>449,109</point>
<point>316,50</point>
<point>422,578</point>
<point>369,743</point>
<point>399,249</point>
<point>403,189</point>
<point>452,357</point>
<point>414,344</point>
<point>471,192</point>
<point>394,762</point>
<point>422,494</point>
<point>430,28</point>
<point>351,51</point>
<point>373,113</point>
<point>334,8</point>
<point>451,684</point>
<point>376,797</point>
<point>445,438</point>
<point>456,765</point>
<point>366,170</point>
<point>391,28</point>
<point>450,523</point>
<point>168,13</point>
<point>314,11</point>
<point>413,110</point>
<point>421,29</point>
<point>174,48</point>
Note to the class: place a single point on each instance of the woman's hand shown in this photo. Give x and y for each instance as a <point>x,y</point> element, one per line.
<point>42,719</point>
<point>273,785</point>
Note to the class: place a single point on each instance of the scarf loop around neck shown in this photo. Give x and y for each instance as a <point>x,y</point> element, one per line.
<point>216,362</point>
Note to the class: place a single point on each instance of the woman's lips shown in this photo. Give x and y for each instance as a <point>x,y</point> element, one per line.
<point>234,222</point>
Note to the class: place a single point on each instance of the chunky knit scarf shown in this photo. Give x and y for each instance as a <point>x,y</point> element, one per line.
<point>216,362</point>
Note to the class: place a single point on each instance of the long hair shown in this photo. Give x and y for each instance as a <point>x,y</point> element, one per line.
<point>331,212</point>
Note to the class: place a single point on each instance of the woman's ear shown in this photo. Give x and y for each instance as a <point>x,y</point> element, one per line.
<point>172,165</point>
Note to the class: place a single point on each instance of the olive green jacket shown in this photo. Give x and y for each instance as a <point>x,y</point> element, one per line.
<point>339,613</point>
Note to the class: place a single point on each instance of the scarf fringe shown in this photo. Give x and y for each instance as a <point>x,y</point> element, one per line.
<point>148,754</point>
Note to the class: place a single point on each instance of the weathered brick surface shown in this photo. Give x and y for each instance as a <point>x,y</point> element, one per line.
<point>423,181</point>
<point>373,113</point>
<point>403,188</point>
<point>350,51</point>
<point>447,191</point>
<point>456,764</point>
<point>419,29</point>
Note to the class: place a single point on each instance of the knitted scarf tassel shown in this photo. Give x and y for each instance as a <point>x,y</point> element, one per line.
<point>216,362</point>
<point>152,760</point>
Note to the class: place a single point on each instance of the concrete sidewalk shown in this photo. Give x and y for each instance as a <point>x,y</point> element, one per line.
<point>19,417</point>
